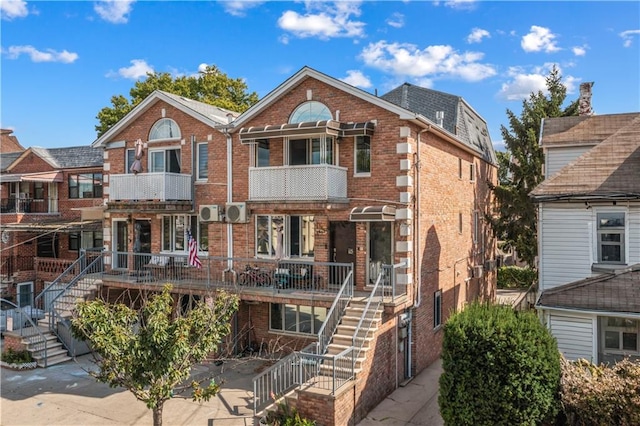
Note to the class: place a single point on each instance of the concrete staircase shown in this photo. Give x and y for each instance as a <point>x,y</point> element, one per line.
<point>343,338</point>
<point>35,343</point>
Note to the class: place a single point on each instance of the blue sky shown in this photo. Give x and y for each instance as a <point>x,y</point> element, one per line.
<point>61,61</point>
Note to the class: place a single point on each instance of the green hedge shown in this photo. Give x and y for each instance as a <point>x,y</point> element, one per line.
<point>516,277</point>
<point>500,367</point>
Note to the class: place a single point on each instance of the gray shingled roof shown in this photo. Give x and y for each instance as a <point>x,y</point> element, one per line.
<point>606,293</point>
<point>7,159</point>
<point>610,169</point>
<point>459,118</point>
<point>71,157</point>
<point>582,130</point>
<point>206,110</point>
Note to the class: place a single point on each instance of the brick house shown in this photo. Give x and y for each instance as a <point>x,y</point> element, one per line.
<point>42,226</point>
<point>350,225</point>
<point>589,235</point>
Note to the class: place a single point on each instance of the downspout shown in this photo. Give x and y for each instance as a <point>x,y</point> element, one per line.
<point>229,198</point>
<point>193,173</point>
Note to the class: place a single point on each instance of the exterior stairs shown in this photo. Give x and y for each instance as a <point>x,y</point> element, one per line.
<point>344,335</point>
<point>35,343</point>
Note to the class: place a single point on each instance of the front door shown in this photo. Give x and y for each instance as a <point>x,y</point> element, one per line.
<point>342,248</point>
<point>120,237</point>
<point>380,248</point>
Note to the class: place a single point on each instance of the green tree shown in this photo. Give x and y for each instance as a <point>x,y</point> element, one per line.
<point>515,218</point>
<point>500,367</point>
<point>150,351</point>
<point>210,86</point>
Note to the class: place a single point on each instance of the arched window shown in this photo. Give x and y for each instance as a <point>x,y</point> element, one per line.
<point>310,111</point>
<point>164,128</point>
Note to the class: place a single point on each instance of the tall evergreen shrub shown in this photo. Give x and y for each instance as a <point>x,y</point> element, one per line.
<point>501,367</point>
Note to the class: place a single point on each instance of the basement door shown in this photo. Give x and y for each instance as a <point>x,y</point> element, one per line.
<point>342,249</point>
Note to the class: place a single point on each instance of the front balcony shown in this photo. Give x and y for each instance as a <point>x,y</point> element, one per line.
<point>313,182</point>
<point>28,205</point>
<point>150,187</point>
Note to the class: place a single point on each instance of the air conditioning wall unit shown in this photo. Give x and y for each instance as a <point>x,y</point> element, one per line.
<point>209,213</point>
<point>236,212</point>
<point>477,271</point>
<point>490,265</point>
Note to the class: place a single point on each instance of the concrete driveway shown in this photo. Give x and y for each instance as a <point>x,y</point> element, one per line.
<point>65,394</point>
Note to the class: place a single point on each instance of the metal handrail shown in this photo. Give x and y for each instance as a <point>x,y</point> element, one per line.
<point>57,281</point>
<point>373,296</point>
<point>335,314</point>
<point>34,326</point>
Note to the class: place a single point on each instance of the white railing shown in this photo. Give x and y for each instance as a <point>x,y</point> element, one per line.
<point>150,186</point>
<point>308,182</point>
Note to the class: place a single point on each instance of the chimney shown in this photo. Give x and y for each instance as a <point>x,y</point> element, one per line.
<point>584,102</point>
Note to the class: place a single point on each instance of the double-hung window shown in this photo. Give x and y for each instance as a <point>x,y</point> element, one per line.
<point>86,185</point>
<point>85,239</point>
<point>620,334</point>
<point>203,150</point>
<point>363,155</point>
<point>130,157</point>
<point>611,237</point>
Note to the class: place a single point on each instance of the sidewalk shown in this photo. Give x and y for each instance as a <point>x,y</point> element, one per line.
<point>414,404</point>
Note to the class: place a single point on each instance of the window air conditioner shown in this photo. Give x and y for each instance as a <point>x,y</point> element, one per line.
<point>210,213</point>
<point>236,212</point>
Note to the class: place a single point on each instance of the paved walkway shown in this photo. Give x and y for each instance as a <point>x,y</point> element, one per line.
<point>414,404</point>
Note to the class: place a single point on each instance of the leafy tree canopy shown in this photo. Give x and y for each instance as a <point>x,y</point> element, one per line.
<point>520,168</point>
<point>150,352</point>
<point>210,86</point>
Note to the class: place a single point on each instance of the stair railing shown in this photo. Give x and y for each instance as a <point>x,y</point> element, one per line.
<point>42,343</point>
<point>336,312</point>
<point>368,314</point>
<point>53,289</point>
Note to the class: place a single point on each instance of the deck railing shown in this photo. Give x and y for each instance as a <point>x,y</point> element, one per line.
<point>244,274</point>
<point>304,182</point>
<point>150,186</point>
<point>28,205</point>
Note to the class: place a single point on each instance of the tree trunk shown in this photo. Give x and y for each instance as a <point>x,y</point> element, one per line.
<point>157,414</point>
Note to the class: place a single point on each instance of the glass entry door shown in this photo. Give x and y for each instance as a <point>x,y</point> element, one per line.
<point>120,235</point>
<point>380,248</point>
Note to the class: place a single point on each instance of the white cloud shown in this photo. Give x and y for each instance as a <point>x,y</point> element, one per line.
<point>627,37</point>
<point>357,79</point>
<point>324,20</point>
<point>523,83</point>
<point>10,9</point>
<point>477,34</point>
<point>539,39</point>
<point>138,69</point>
<point>50,55</point>
<point>433,61</point>
<point>239,7</point>
<point>396,20</point>
<point>579,50</point>
<point>114,11</point>
<point>461,4</point>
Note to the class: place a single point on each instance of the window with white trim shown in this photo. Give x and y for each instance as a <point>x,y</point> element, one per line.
<point>261,153</point>
<point>611,231</point>
<point>363,155</point>
<point>130,157</point>
<point>318,150</point>
<point>296,318</point>
<point>310,111</point>
<point>285,236</point>
<point>24,293</point>
<point>437,309</point>
<point>174,228</point>
<point>164,160</point>
<point>85,185</point>
<point>164,129</point>
<point>620,335</point>
<point>203,161</point>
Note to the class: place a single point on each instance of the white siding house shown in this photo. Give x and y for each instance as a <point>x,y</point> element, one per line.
<point>589,235</point>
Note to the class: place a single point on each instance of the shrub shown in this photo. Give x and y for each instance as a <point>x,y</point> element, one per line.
<point>284,415</point>
<point>500,367</point>
<point>599,395</point>
<point>516,277</point>
<point>11,356</point>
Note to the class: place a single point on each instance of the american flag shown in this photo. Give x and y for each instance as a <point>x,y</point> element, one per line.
<point>194,260</point>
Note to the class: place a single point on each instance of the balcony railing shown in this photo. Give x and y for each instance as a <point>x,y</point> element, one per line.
<point>313,182</point>
<point>149,187</point>
<point>28,205</point>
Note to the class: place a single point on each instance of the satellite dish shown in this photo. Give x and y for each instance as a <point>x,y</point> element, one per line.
<point>5,237</point>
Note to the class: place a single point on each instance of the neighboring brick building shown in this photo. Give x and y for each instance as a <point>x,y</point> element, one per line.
<point>319,185</point>
<point>41,225</point>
